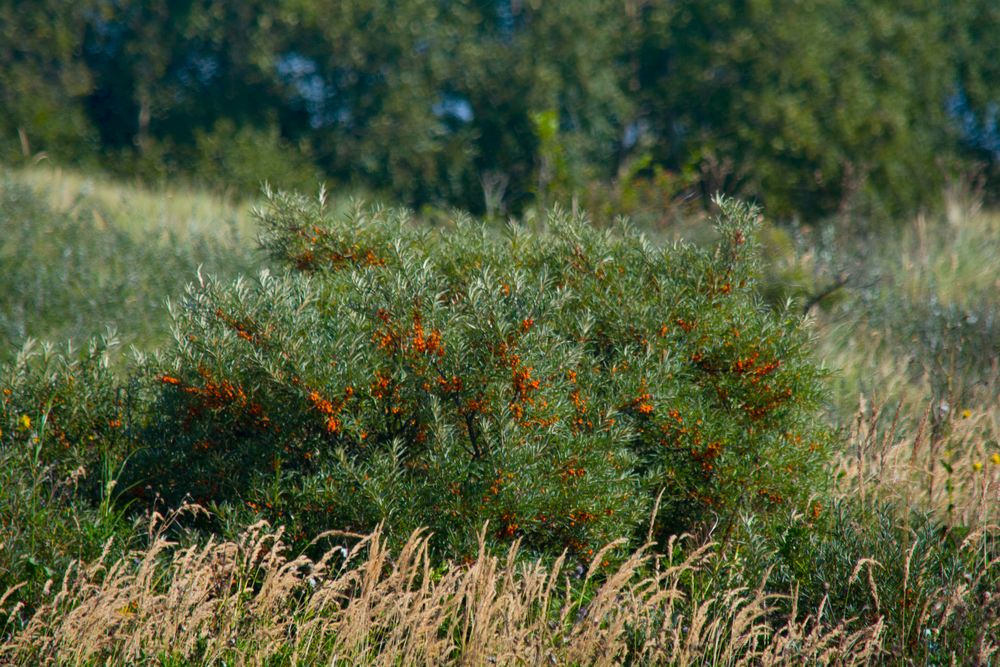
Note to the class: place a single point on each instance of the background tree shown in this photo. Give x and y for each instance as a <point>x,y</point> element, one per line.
<point>975,103</point>
<point>43,80</point>
<point>166,69</point>
<point>563,61</point>
<point>806,105</point>
<point>813,107</point>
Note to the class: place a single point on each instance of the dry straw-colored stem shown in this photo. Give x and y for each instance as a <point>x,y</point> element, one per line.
<point>948,468</point>
<point>248,602</point>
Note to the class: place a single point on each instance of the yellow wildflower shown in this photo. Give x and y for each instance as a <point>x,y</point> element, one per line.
<point>24,422</point>
<point>966,413</point>
<point>996,459</point>
<point>977,466</point>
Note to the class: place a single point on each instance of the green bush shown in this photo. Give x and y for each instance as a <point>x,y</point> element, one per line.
<point>72,403</point>
<point>66,424</point>
<point>551,383</point>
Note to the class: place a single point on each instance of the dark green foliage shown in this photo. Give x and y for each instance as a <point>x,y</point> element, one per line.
<point>552,384</point>
<point>43,80</point>
<point>811,108</point>
<point>244,158</point>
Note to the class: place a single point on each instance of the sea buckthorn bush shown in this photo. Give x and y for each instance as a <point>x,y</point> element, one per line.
<point>550,384</point>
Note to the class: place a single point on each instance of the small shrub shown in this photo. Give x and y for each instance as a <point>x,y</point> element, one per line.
<point>932,587</point>
<point>72,404</point>
<point>552,384</point>
<point>65,420</point>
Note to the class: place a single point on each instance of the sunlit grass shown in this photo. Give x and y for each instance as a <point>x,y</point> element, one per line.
<point>186,212</point>
<point>79,254</point>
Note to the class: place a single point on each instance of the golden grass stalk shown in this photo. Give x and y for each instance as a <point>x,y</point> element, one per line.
<point>947,461</point>
<point>248,602</point>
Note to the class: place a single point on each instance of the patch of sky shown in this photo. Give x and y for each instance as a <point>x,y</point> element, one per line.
<point>633,132</point>
<point>200,69</point>
<point>506,22</point>
<point>302,74</point>
<point>109,34</point>
<point>509,18</point>
<point>981,129</point>
<point>453,107</point>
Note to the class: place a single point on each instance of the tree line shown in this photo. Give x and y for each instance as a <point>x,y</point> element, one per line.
<point>809,106</point>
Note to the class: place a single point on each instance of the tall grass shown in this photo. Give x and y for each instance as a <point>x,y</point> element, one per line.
<point>250,602</point>
<point>915,343</point>
<point>946,464</point>
<point>78,255</point>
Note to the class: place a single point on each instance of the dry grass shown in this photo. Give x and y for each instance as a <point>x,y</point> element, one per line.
<point>915,339</point>
<point>249,603</point>
<point>940,460</point>
<point>184,212</point>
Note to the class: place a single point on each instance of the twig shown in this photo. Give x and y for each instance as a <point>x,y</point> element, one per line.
<point>842,279</point>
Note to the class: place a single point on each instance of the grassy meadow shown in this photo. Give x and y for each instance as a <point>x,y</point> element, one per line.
<point>83,253</point>
<point>899,564</point>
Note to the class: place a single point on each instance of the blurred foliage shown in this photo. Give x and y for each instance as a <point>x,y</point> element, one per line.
<point>812,107</point>
<point>66,274</point>
<point>44,82</point>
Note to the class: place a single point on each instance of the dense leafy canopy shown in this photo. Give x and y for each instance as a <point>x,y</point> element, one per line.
<point>810,105</point>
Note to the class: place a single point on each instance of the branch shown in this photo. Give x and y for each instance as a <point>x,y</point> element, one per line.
<point>470,424</point>
<point>842,279</point>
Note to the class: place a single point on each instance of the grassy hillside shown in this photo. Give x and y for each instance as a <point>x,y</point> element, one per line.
<point>898,562</point>
<point>81,253</point>
<point>915,340</point>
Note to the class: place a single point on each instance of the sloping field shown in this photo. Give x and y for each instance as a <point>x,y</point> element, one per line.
<point>897,561</point>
